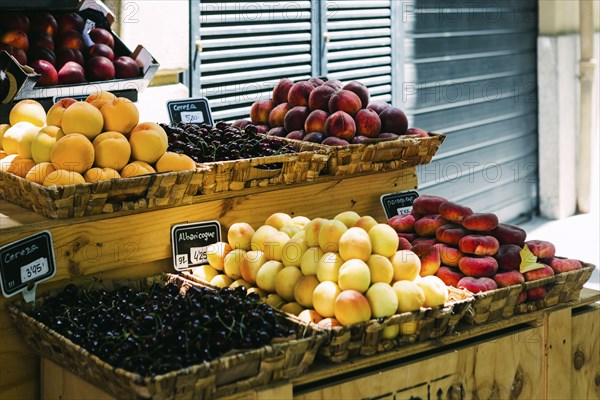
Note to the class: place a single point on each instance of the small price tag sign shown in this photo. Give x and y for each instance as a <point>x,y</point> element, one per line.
<point>190,111</point>
<point>398,203</point>
<point>25,263</point>
<point>190,243</point>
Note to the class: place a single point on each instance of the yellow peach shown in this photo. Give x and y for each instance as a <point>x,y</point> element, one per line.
<point>112,150</point>
<point>24,141</point>
<point>292,308</point>
<point>221,281</point>
<point>82,118</point>
<point>137,168</point>
<point>304,289</point>
<point>42,144</point>
<point>39,172</point>
<point>28,111</point>
<point>100,174</point>
<point>56,112</point>
<point>62,177</point>
<point>3,129</point>
<point>351,307</point>
<point>19,166</point>
<point>10,141</point>
<point>120,115</point>
<point>73,152</point>
<point>175,162</point>
<point>148,142</point>
<point>98,99</point>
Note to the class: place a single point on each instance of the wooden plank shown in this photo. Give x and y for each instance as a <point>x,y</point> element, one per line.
<point>585,341</point>
<point>58,383</point>
<point>508,367</point>
<point>557,354</point>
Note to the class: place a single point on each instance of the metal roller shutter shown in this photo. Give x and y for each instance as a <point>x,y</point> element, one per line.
<point>245,48</point>
<point>470,71</point>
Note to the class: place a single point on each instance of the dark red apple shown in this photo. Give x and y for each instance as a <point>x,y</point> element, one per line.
<point>49,76</point>
<point>42,53</point>
<point>71,73</point>
<point>70,21</point>
<point>41,40</point>
<point>16,39</point>
<point>63,56</point>
<point>101,50</point>
<point>99,69</point>
<point>18,54</point>
<point>70,39</point>
<point>44,22</point>
<point>102,36</point>
<point>14,21</point>
<point>126,67</point>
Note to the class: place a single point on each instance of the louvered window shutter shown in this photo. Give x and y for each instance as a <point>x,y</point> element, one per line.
<point>359,44</point>
<point>246,47</point>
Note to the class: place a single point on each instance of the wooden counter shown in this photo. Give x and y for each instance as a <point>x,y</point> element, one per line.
<point>527,356</point>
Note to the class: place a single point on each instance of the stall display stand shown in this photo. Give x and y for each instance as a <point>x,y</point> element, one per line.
<point>551,353</point>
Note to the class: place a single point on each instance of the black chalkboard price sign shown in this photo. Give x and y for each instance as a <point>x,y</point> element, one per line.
<point>190,111</point>
<point>190,242</point>
<point>398,203</point>
<point>25,263</point>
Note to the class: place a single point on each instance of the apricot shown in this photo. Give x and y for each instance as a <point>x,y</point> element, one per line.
<point>55,113</point>
<point>137,168</point>
<point>508,257</point>
<point>510,278</point>
<point>340,125</point>
<point>477,285</point>
<point>285,280</point>
<point>259,238</point>
<point>148,142</point>
<point>281,90</point>
<point>429,224</point>
<point>393,120</point>
<point>28,111</point>
<point>355,243</point>
<point>381,268</point>
<point>293,251</point>
<point>222,281</point>
<point>508,234</point>
<point>450,276</point>
<point>265,278</point>
<point>479,245</point>
<point>360,90</point>
<point>250,263</point>
<point>62,177</point>
<point>215,255</point>
<point>112,150</point>
<point>295,118</point>
<point>449,255</point>
<point>99,99</point>
<point>277,115</point>
<point>82,118</point>
<point>480,222</point>
<point>541,248</point>
<point>260,110</point>
<point>560,265</point>
<point>382,299</point>
<point>41,146</point>
<point>539,273</point>
<point>273,245</point>
<point>304,289</point>
<point>351,307</point>
<point>231,264</point>
<point>403,223</point>
<point>436,291</point>
<point>346,101</point>
<point>428,204</point>
<point>315,122</point>
<point>310,317</point>
<point>429,256</point>
<point>73,152</point>
<point>120,115</point>
<point>17,165</point>
<point>319,98</point>
<point>378,106</point>
<point>450,234</point>
<point>324,296</point>
<point>39,172</point>
<point>330,234</point>
<point>354,274</point>
<point>349,218</point>
<point>328,323</point>
<point>368,123</point>
<point>3,129</point>
<point>409,295</point>
<point>384,240</point>
<point>484,266</point>
<point>239,236</point>
<point>454,212</point>
<point>296,309</point>
<point>406,264</point>
<point>100,174</point>
<point>299,93</point>
<point>204,272</point>
<point>171,161</point>
<point>365,222</point>
<point>327,268</point>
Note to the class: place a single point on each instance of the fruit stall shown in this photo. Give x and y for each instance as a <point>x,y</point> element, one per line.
<point>286,255</point>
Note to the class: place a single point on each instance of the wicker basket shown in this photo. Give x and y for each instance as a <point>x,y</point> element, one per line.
<point>141,192</point>
<point>345,342</point>
<point>384,155</point>
<point>494,305</point>
<point>305,165</point>
<point>283,359</point>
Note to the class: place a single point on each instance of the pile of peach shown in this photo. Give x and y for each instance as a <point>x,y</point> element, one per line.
<point>84,141</point>
<point>344,270</point>
<point>473,250</point>
<point>56,49</point>
<point>328,112</point>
